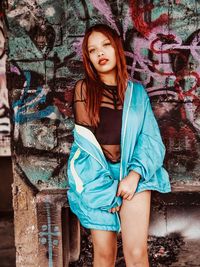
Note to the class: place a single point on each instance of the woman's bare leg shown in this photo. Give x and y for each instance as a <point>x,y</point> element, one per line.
<point>105,248</point>
<point>134,215</point>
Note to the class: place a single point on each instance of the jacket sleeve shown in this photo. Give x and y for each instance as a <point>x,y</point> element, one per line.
<point>149,151</point>
<point>87,179</point>
<point>101,194</point>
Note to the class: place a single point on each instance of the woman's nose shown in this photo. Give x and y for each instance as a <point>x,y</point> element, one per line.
<point>100,53</point>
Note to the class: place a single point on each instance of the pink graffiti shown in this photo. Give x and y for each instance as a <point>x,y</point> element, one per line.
<point>77,46</point>
<point>162,44</point>
<point>105,10</point>
<point>14,69</point>
<point>159,68</point>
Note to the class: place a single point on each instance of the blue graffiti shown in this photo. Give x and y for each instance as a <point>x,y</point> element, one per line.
<point>46,235</point>
<point>26,103</point>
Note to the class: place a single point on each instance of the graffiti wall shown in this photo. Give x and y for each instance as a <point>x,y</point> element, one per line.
<point>162,46</point>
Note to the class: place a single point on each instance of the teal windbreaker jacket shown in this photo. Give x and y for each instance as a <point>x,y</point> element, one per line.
<point>92,190</point>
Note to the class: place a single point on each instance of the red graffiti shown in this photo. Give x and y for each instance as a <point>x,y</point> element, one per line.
<point>65,106</point>
<point>168,39</point>
<point>191,91</point>
<point>182,146</point>
<point>165,39</point>
<point>137,14</point>
<point>184,138</point>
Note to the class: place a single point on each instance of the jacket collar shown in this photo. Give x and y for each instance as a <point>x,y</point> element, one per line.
<point>87,141</point>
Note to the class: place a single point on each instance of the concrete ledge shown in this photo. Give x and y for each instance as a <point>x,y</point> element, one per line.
<point>186,187</point>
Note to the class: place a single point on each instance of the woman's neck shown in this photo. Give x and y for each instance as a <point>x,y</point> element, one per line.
<point>109,79</point>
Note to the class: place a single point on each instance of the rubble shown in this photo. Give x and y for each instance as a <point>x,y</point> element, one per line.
<point>163,251</point>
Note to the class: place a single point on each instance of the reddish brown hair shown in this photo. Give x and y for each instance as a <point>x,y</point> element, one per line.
<point>92,79</point>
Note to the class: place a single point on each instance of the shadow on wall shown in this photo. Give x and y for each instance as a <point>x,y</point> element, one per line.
<point>6,180</point>
<point>7,248</point>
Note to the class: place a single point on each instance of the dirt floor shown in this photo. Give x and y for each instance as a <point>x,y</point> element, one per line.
<point>166,251</point>
<point>7,249</point>
<point>173,250</point>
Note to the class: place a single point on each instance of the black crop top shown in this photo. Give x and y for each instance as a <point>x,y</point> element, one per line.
<point>108,131</point>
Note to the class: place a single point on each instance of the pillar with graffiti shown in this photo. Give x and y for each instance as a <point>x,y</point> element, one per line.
<point>162,47</point>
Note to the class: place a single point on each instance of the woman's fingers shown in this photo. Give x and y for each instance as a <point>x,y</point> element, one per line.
<point>118,208</point>
<point>122,194</point>
<point>114,209</point>
<point>130,197</point>
<point>123,191</point>
<point>126,196</point>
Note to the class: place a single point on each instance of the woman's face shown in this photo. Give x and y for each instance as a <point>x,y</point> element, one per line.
<point>101,53</point>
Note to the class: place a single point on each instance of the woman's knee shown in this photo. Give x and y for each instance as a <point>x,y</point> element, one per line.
<point>105,257</point>
<point>105,247</point>
<point>136,255</point>
<point>105,251</point>
<point>105,254</point>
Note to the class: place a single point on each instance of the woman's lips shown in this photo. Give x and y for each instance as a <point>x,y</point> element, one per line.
<point>103,61</point>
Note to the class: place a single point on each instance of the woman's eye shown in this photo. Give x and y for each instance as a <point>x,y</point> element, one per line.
<point>106,44</point>
<point>91,51</point>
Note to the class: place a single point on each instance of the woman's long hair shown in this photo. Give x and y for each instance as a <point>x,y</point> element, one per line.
<point>92,79</point>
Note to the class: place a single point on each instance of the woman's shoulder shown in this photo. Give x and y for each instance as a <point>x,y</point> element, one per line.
<point>80,89</point>
<point>80,84</point>
<point>138,88</point>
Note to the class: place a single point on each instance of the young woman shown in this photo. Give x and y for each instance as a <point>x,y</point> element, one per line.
<point>117,155</point>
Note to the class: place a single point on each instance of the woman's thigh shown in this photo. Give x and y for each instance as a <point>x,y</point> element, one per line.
<point>104,242</point>
<point>134,216</point>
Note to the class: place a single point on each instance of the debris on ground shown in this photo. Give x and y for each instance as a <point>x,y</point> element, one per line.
<point>163,251</point>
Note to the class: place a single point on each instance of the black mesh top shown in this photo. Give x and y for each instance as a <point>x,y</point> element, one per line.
<point>108,131</point>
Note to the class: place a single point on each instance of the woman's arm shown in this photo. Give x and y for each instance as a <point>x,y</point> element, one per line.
<point>79,106</point>
<point>91,181</point>
<point>148,154</point>
<point>149,150</point>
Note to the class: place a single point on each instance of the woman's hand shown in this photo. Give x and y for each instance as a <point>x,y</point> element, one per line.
<point>128,185</point>
<point>115,209</point>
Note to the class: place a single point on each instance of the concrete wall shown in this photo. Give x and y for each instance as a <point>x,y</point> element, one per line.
<point>162,48</point>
